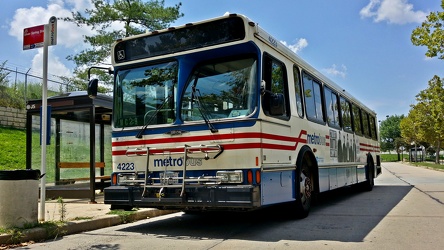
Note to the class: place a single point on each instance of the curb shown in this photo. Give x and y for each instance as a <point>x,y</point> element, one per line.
<point>73,227</point>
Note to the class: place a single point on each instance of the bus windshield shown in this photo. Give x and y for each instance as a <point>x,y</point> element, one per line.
<point>145,95</point>
<point>217,90</point>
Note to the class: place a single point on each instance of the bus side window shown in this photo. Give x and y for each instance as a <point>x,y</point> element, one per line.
<point>373,127</point>
<point>331,101</point>
<point>346,114</point>
<point>298,90</point>
<point>313,99</point>
<point>357,119</point>
<point>275,76</point>
<point>365,124</point>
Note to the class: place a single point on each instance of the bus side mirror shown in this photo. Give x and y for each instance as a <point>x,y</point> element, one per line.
<point>92,88</point>
<point>277,104</point>
<point>263,86</point>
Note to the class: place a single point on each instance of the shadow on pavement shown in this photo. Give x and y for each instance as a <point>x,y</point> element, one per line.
<point>342,215</point>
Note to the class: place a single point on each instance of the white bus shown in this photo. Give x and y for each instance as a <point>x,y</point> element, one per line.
<point>219,115</point>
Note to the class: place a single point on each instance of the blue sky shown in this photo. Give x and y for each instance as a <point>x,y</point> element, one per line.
<point>362,45</point>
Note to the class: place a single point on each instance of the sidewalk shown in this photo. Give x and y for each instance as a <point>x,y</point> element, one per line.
<point>80,215</point>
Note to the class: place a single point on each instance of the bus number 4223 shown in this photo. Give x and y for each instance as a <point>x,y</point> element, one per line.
<point>125,166</point>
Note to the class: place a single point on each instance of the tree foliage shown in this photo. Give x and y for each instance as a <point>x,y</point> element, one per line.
<point>425,121</point>
<point>426,118</point>
<point>431,34</point>
<point>390,134</point>
<point>132,16</point>
<point>112,21</point>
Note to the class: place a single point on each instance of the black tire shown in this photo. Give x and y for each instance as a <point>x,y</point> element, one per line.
<point>304,185</point>
<point>369,174</point>
<point>121,207</point>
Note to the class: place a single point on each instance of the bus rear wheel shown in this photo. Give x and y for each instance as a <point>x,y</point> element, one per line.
<point>304,187</point>
<point>121,207</point>
<point>370,175</point>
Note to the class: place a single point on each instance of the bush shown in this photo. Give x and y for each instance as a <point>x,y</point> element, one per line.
<point>10,97</point>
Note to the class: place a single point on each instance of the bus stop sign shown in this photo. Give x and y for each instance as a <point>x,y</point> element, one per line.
<point>34,37</point>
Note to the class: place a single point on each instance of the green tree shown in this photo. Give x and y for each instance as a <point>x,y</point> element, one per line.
<point>408,126</point>
<point>432,104</point>
<point>427,115</point>
<point>431,34</point>
<point>426,118</point>
<point>390,134</point>
<point>137,16</point>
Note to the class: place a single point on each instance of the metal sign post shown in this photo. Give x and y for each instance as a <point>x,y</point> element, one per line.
<point>32,38</point>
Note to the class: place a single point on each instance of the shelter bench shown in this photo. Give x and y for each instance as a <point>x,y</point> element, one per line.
<point>85,165</point>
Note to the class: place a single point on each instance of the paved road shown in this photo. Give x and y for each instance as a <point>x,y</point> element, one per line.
<point>405,210</point>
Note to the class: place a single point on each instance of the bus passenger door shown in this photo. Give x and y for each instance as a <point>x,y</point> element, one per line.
<point>275,126</point>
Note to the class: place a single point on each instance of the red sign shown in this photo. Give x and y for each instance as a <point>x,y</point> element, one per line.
<point>34,37</point>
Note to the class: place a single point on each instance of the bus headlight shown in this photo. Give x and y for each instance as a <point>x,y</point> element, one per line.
<point>126,178</point>
<point>230,176</point>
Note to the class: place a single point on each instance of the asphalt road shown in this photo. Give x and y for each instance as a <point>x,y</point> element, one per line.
<point>405,210</point>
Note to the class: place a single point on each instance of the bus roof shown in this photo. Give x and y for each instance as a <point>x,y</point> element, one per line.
<point>268,39</point>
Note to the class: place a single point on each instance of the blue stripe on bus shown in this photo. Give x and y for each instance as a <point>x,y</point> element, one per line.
<point>188,128</point>
<point>187,63</point>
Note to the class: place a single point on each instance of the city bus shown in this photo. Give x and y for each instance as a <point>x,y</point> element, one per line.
<point>218,115</point>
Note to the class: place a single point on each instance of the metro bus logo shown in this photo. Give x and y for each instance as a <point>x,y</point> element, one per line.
<point>176,162</point>
<point>316,139</point>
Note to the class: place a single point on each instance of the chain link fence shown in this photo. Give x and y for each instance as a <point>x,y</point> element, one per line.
<point>17,77</point>
<point>27,83</point>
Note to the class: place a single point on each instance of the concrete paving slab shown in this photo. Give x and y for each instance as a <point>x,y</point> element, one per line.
<point>79,215</point>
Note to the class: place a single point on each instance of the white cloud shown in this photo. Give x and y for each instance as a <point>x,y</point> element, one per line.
<point>69,35</point>
<point>337,71</point>
<point>55,66</point>
<point>298,46</point>
<point>80,5</point>
<point>392,11</point>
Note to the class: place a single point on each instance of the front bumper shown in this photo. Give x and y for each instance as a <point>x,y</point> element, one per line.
<point>241,197</point>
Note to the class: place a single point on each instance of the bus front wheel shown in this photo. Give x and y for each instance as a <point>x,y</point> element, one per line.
<point>304,186</point>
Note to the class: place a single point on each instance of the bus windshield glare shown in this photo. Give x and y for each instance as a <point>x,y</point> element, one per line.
<point>148,95</point>
<point>145,95</point>
<point>220,90</point>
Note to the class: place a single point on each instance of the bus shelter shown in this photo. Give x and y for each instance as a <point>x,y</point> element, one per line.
<point>78,159</point>
<point>417,154</point>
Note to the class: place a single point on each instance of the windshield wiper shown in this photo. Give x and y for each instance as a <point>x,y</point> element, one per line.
<point>151,118</point>
<point>196,95</point>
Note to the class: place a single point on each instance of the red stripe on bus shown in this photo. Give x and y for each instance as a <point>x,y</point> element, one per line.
<point>209,138</point>
<point>368,147</point>
<point>229,146</point>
